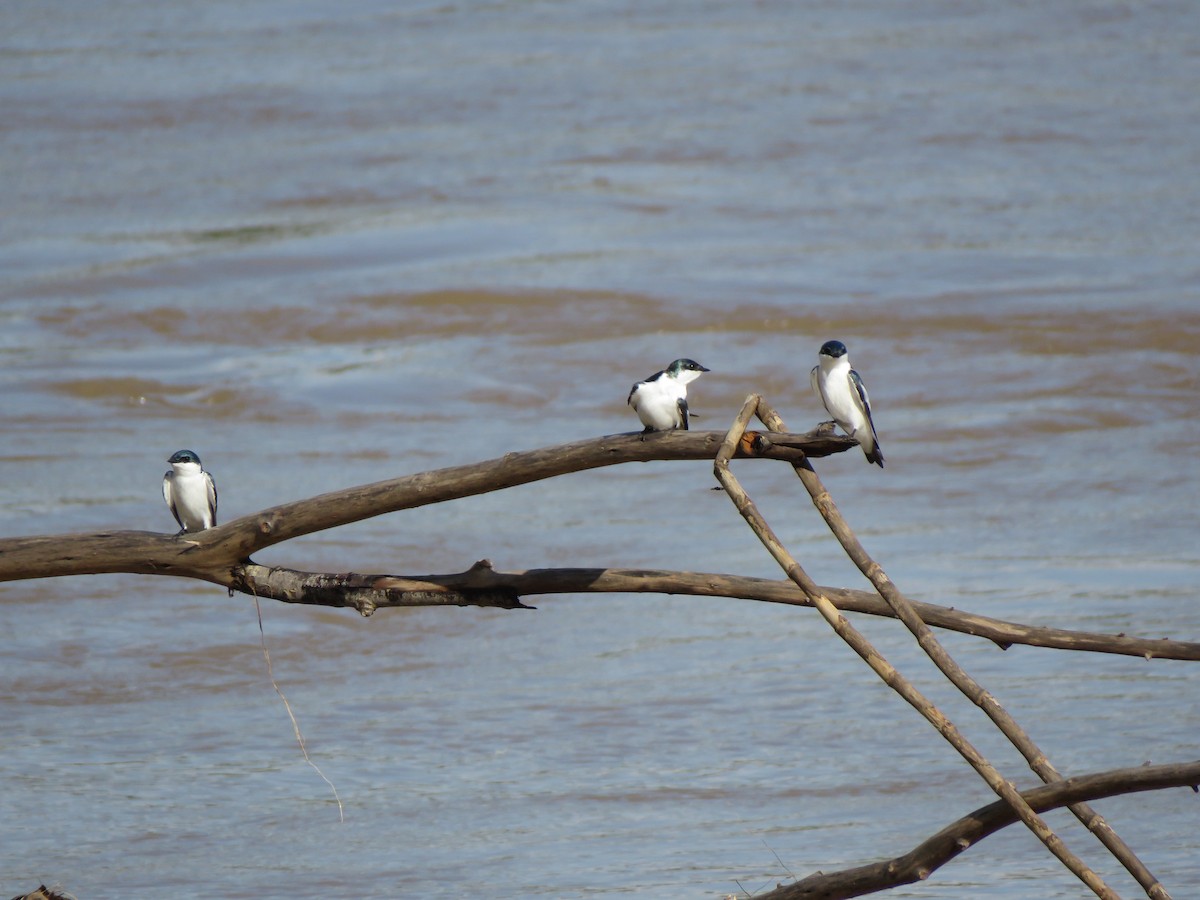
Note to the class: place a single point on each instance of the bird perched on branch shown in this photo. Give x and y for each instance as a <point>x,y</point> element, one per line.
<point>845,398</point>
<point>190,492</point>
<point>661,400</point>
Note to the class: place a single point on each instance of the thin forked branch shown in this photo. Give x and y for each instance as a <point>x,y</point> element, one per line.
<point>890,676</point>
<point>957,675</point>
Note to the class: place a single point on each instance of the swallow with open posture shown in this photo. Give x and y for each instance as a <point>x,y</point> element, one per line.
<point>661,400</point>
<point>190,492</point>
<point>845,398</point>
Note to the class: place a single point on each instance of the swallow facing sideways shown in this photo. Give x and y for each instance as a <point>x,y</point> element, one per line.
<point>845,397</point>
<point>661,400</point>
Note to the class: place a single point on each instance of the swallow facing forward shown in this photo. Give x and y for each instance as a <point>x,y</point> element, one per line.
<point>190,492</point>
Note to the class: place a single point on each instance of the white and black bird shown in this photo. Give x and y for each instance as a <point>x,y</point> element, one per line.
<point>661,400</point>
<point>845,397</point>
<point>190,492</point>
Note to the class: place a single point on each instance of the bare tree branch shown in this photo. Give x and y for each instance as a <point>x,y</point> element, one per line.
<point>211,554</point>
<point>937,850</point>
<point>221,555</point>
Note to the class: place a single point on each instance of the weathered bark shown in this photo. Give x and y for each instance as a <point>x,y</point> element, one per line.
<point>212,554</point>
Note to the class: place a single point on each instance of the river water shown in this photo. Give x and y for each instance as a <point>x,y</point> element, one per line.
<point>327,244</point>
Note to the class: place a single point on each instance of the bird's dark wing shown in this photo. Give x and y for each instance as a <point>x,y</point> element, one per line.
<point>862,394</point>
<point>683,413</point>
<point>877,456</point>
<point>212,497</point>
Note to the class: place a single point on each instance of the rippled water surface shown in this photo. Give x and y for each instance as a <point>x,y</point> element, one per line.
<point>324,245</point>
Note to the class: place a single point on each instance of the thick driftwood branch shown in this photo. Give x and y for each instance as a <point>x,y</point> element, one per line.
<point>937,850</point>
<point>754,405</point>
<point>366,593</point>
<point>211,554</point>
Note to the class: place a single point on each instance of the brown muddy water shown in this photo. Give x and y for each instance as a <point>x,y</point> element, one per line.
<point>323,245</point>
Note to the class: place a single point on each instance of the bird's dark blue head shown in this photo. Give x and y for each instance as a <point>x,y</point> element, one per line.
<point>835,349</point>
<point>685,365</point>
<point>184,456</point>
